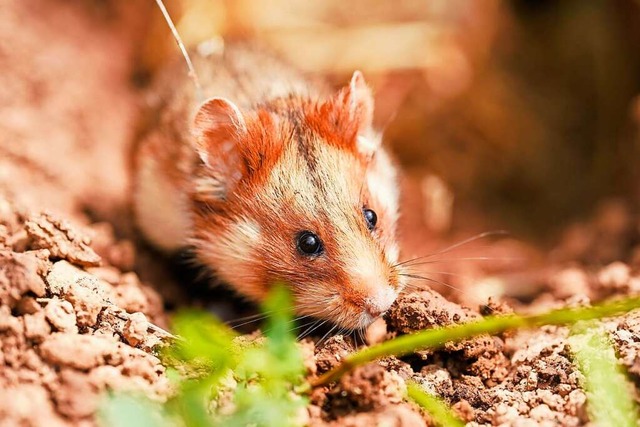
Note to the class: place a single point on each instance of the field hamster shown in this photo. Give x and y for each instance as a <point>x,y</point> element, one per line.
<point>273,178</point>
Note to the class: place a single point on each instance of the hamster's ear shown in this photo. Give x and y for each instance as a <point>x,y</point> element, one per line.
<point>217,128</point>
<point>360,101</point>
<point>367,141</point>
<point>350,113</point>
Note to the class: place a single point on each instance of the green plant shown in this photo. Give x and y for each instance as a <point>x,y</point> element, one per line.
<point>435,338</point>
<point>223,379</point>
<point>609,393</point>
<point>440,413</point>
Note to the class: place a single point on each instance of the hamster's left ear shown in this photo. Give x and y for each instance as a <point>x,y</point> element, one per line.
<point>360,100</point>
<point>350,113</point>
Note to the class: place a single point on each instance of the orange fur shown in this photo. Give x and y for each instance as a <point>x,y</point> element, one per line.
<point>269,167</point>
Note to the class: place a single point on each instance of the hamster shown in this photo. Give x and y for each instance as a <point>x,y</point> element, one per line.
<point>273,179</point>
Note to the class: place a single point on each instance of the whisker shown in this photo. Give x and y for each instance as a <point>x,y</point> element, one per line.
<point>448,285</point>
<point>414,276</point>
<point>457,245</point>
<point>363,339</point>
<point>262,316</point>
<point>446,273</point>
<point>297,319</point>
<point>443,260</point>
<point>303,325</point>
<point>328,334</point>
<point>257,319</point>
<point>252,316</point>
<point>310,329</point>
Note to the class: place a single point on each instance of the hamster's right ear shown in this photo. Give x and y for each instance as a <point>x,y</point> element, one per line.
<point>217,128</point>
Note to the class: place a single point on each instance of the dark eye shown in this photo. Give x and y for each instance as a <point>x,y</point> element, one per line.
<point>371,218</point>
<point>309,243</point>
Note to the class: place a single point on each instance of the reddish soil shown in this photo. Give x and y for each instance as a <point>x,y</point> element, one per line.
<point>71,326</point>
<point>517,378</point>
<point>76,319</point>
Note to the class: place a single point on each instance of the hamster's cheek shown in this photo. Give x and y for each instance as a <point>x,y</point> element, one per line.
<point>234,253</point>
<point>392,252</point>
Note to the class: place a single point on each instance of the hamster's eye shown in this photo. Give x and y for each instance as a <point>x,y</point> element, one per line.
<point>309,243</point>
<point>371,218</point>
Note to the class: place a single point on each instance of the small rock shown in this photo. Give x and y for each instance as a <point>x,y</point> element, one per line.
<point>332,352</point>
<point>135,329</point>
<point>61,315</point>
<point>20,273</point>
<point>435,380</point>
<point>570,281</point>
<point>376,332</point>
<point>28,305</point>
<point>86,303</point>
<point>541,413</point>
<point>89,351</point>
<point>423,310</point>
<point>615,275</point>
<point>75,395</point>
<point>61,239</point>
<point>36,327</point>
<point>129,295</point>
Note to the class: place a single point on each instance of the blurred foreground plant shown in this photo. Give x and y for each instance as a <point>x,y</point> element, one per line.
<point>225,379</point>
<point>609,393</point>
<point>222,378</point>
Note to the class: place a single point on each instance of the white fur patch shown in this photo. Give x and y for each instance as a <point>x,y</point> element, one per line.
<point>392,253</point>
<point>249,231</point>
<point>362,264</point>
<point>381,180</point>
<point>241,238</point>
<point>381,300</point>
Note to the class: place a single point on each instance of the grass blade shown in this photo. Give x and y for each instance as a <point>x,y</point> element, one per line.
<point>440,413</point>
<point>609,393</point>
<point>435,338</point>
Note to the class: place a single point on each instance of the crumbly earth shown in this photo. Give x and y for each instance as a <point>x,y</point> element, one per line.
<point>71,325</point>
<point>518,378</point>
<point>76,319</point>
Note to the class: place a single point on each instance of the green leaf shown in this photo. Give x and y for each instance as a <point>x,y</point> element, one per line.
<point>191,405</point>
<point>205,341</point>
<point>270,372</point>
<point>122,410</point>
<point>253,379</point>
<point>285,360</point>
<point>440,413</point>
<point>609,392</point>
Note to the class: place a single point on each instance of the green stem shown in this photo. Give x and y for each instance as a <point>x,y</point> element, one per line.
<point>434,338</point>
<point>610,399</point>
<point>439,411</point>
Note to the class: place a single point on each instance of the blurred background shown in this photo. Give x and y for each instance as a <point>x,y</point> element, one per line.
<point>503,113</point>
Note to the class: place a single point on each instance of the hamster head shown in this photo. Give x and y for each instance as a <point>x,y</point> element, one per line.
<point>298,191</point>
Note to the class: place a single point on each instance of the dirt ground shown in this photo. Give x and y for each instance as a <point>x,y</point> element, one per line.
<point>83,304</point>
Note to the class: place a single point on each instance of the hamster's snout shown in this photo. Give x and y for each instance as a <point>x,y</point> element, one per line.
<point>380,301</point>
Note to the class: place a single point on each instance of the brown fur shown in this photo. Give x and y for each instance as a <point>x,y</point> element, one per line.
<point>269,167</point>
